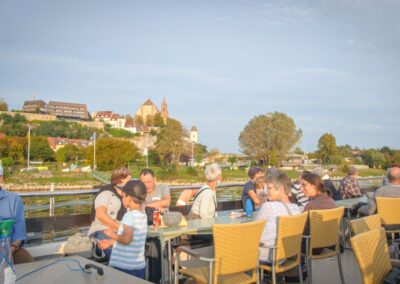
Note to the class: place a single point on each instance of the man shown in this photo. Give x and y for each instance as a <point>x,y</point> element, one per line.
<point>249,189</point>
<point>11,207</point>
<point>296,194</point>
<point>349,187</point>
<point>158,195</point>
<point>390,190</point>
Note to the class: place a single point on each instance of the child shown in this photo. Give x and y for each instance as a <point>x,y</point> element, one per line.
<point>128,243</point>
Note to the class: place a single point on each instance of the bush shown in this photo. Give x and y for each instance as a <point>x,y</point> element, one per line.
<point>192,172</point>
<point>168,171</point>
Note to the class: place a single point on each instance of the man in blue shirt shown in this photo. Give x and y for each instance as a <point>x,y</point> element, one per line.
<point>11,207</point>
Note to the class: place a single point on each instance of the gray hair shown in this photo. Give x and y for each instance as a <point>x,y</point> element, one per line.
<point>212,172</point>
<point>393,174</point>
<point>280,178</point>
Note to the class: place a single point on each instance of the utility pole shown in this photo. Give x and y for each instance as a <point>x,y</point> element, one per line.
<point>192,160</point>
<point>94,152</point>
<point>29,145</point>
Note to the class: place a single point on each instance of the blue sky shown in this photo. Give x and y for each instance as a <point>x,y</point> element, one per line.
<point>333,66</point>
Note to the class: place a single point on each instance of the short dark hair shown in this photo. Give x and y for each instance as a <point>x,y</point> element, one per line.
<point>146,172</point>
<point>253,171</point>
<point>137,190</point>
<point>315,180</point>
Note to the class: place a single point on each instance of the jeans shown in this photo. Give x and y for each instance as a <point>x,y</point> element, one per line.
<point>140,273</point>
<point>101,236</point>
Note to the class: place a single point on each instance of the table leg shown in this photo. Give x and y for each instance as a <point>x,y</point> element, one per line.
<point>162,244</point>
<point>169,261</point>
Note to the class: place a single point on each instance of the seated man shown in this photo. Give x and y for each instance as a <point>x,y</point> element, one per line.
<point>349,187</point>
<point>249,188</point>
<point>390,190</point>
<point>11,207</point>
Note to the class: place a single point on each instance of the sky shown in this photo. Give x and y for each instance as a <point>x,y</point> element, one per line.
<point>333,66</point>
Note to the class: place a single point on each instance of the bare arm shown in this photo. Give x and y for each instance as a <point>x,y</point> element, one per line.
<point>164,202</point>
<point>254,197</point>
<point>124,238</point>
<point>105,219</point>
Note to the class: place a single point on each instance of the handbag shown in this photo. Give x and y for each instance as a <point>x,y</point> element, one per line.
<point>78,244</point>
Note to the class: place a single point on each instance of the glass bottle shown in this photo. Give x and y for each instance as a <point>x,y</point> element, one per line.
<point>7,272</point>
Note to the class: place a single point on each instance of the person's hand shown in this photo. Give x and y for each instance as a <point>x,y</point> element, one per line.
<point>109,232</point>
<point>104,244</point>
<point>161,210</point>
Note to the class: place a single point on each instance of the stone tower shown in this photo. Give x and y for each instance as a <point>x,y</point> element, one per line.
<point>164,110</point>
<point>194,135</point>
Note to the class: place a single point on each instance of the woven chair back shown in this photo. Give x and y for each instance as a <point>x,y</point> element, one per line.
<point>372,255</point>
<point>236,247</point>
<point>388,210</point>
<point>289,237</point>
<point>366,224</point>
<point>324,227</point>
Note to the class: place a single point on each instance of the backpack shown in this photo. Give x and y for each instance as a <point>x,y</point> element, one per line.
<point>109,187</point>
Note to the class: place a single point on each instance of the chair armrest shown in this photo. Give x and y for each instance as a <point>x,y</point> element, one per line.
<point>193,253</point>
<point>395,263</point>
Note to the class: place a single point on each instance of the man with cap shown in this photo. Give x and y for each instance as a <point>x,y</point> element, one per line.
<point>249,189</point>
<point>11,207</point>
<point>349,187</point>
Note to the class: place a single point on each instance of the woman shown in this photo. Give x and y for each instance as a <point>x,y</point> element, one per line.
<point>313,187</point>
<point>205,202</point>
<point>107,208</point>
<point>278,186</point>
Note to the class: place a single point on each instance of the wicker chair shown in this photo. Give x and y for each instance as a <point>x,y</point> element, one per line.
<point>366,224</point>
<point>235,253</point>
<point>388,210</point>
<point>287,251</point>
<point>372,255</point>
<point>323,241</point>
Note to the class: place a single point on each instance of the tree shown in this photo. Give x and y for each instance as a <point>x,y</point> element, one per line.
<point>3,105</point>
<point>158,120</point>
<point>265,133</point>
<point>169,145</point>
<point>40,149</point>
<point>14,148</point>
<point>374,159</point>
<point>112,153</point>
<point>13,125</point>
<point>327,149</point>
<point>138,120</point>
<point>232,160</point>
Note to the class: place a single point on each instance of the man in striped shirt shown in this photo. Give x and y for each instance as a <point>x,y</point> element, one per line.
<point>128,243</point>
<point>300,198</point>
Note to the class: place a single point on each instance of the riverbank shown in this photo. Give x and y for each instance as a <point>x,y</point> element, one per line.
<point>56,180</point>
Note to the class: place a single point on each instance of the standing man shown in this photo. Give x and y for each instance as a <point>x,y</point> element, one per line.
<point>158,195</point>
<point>349,187</point>
<point>11,207</point>
<point>249,189</point>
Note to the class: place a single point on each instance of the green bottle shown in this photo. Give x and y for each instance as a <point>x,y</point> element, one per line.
<point>7,272</point>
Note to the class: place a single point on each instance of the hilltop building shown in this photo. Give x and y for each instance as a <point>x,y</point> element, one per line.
<point>148,110</point>
<point>68,110</point>
<point>59,109</point>
<point>36,106</point>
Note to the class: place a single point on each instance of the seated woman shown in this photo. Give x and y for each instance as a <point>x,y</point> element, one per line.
<point>313,187</point>
<point>205,202</point>
<point>278,186</point>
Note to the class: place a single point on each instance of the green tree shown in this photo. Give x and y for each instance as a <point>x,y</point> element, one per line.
<point>13,148</point>
<point>112,153</point>
<point>232,160</point>
<point>327,149</point>
<point>3,105</point>
<point>158,120</point>
<point>138,120</point>
<point>13,125</point>
<point>40,149</point>
<point>374,159</point>
<point>169,145</point>
<point>264,133</point>
<point>298,151</point>
<point>60,156</point>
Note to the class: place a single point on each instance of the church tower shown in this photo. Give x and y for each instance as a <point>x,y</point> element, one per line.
<point>164,110</point>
